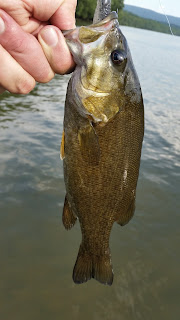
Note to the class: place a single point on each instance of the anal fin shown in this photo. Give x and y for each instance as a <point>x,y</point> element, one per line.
<point>68,217</point>
<point>126,217</point>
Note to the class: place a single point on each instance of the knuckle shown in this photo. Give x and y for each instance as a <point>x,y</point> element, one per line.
<point>18,45</point>
<point>23,44</point>
<point>24,86</point>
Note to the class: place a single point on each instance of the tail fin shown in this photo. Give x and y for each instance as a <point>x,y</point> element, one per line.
<point>89,266</point>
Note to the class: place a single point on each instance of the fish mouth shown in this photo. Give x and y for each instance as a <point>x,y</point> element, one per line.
<point>78,44</point>
<point>112,16</point>
<point>75,42</point>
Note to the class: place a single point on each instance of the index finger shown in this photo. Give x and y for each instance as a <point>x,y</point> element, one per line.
<point>61,13</point>
<point>64,17</point>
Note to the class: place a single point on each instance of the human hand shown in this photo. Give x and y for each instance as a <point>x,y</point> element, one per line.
<point>24,59</point>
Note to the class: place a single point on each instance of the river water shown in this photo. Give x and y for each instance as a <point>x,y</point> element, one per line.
<point>37,254</point>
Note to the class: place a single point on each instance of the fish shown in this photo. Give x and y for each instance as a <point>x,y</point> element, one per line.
<point>102,140</point>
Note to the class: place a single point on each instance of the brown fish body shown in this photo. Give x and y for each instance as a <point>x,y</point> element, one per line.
<point>103,133</point>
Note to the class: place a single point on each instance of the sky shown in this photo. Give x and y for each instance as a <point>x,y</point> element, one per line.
<point>170,7</point>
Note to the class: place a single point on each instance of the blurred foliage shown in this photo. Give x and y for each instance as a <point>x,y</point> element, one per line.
<point>117,4</point>
<point>85,8</point>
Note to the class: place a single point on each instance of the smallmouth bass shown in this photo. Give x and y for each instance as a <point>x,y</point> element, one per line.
<point>102,141</point>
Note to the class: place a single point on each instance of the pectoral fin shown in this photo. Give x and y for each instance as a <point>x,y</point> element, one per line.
<point>62,156</point>
<point>68,217</point>
<point>89,145</point>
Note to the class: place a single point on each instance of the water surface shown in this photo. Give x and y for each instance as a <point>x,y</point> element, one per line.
<point>38,254</point>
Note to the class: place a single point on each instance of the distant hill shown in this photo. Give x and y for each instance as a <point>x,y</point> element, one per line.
<point>131,20</point>
<point>150,14</point>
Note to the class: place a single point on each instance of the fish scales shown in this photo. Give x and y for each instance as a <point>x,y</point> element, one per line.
<point>102,140</point>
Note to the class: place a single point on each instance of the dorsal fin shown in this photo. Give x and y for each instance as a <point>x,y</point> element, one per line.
<point>62,155</point>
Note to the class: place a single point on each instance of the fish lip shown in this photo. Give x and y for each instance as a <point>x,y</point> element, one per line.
<point>112,16</point>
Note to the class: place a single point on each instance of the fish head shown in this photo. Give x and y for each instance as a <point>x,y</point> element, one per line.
<point>104,61</point>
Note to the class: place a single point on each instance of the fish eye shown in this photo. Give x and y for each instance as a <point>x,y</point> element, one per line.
<point>118,57</point>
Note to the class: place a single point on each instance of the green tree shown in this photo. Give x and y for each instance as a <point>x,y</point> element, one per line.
<point>85,8</point>
<point>117,4</point>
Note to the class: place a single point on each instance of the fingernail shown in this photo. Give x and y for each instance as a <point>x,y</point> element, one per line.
<point>49,36</point>
<point>2,26</point>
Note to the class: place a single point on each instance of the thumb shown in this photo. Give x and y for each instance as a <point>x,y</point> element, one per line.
<point>56,49</point>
